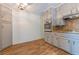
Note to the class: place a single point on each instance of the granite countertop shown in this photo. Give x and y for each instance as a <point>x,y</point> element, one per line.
<point>69,35</point>
<point>73,32</point>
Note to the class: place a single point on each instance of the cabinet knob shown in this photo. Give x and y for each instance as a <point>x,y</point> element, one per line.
<point>73,42</point>
<point>68,41</point>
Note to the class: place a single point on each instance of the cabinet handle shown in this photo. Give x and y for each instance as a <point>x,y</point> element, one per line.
<point>68,41</point>
<point>73,42</point>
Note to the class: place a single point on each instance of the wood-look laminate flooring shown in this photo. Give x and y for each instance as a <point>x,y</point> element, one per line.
<point>37,47</point>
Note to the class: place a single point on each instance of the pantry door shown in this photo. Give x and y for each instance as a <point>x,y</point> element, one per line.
<point>6,34</point>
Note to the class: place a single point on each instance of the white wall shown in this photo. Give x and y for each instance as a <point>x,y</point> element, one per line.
<point>26,27</point>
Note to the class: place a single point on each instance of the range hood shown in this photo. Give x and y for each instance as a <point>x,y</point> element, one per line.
<point>71,16</point>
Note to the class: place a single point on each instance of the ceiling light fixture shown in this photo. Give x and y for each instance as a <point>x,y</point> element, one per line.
<point>22,6</point>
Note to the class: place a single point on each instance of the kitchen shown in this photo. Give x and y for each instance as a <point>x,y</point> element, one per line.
<point>52,24</point>
<point>64,30</point>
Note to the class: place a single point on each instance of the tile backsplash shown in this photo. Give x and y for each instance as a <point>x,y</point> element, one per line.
<point>70,25</point>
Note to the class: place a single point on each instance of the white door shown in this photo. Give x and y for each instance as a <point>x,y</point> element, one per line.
<point>0,38</point>
<point>6,35</point>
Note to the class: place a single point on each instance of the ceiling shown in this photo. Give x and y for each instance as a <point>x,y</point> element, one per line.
<point>37,8</point>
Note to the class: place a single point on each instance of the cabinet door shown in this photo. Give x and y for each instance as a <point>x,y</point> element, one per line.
<point>61,43</point>
<point>54,40</point>
<point>64,10</point>
<point>6,35</point>
<point>75,47</point>
<point>67,45</point>
<point>46,36</point>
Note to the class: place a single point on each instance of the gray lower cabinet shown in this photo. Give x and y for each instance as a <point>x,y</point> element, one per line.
<point>68,42</point>
<point>75,47</point>
<point>48,37</point>
<point>74,41</point>
<point>66,45</point>
<point>55,42</point>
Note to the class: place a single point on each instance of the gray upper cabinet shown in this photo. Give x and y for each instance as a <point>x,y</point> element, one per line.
<point>47,20</point>
<point>63,10</point>
<point>66,9</point>
<point>53,12</point>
